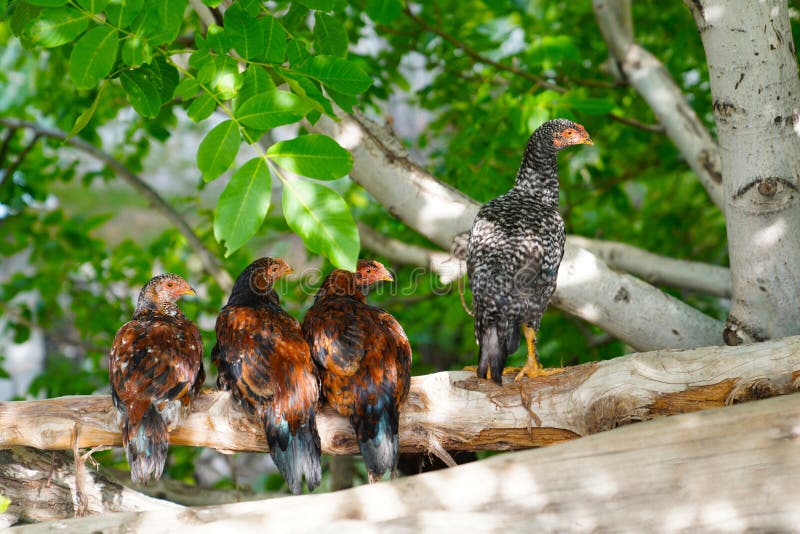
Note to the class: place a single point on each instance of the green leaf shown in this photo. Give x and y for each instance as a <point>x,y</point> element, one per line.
<point>218,150</point>
<point>121,13</point>
<point>136,50</point>
<point>592,106</point>
<point>296,52</point>
<point>143,94</point>
<point>202,107</point>
<point>221,74</point>
<point>337,73</point>
<point>384,11</point>
<point>4,502</point>
<point>47,3</point>
<point>212,3</point>
<point>308,89</point>
<point>251,7</point>
<point>217,40</point>
<point>164,76</point>
<point>55,27</point>
<point>160,21</point>
<point>245,33</point>
<point>255,80</point>
<point>187,88</point>
<point>321,218</point>
<point>316,156</point>
<point>330,37</point>
<point>93,6</point>
<point>322,5</point>
<point>84,118</point>
<point>274,108</point>
<point>276,39</point>
<point>243,204</point>
<point>93,56</point>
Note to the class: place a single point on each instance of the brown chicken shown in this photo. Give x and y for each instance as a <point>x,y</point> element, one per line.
<point>365,361</point>
<point>155,369</point>
<point>264,360</point>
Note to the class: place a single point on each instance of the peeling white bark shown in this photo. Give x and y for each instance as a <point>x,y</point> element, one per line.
<point>651,80</point>
<point>629,309</point>
<point>457,411</point>
<point>752,65</point>
<point>660,270</point>
<point>731,469</point>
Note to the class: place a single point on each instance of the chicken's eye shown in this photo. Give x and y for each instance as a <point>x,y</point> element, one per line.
<point>369,271</point>
<point>170,284</point>
<point>569,132</point>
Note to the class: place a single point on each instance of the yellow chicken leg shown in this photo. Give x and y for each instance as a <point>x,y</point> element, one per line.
<point>533,368</point>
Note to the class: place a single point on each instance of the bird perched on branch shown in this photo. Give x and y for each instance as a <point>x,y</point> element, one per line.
<point>515,248</point>
<point>155,369</point>
<point>264,360</point>
<point>365,361</point>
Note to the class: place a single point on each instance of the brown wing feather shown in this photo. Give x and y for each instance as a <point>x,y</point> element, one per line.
<point>263,358</point>
<point>155,361</point>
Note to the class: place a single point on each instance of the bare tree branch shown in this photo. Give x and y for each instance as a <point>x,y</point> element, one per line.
<point>446,266</point>
<point>208,259</point>
<point>732,469</point>
<point>660,270</point>
<point>457,411</point>
<point>629,309</point>
<point>652,81</point>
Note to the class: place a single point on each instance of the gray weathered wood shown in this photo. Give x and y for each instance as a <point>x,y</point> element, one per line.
<point>456,411</point>
<point>730,469</point>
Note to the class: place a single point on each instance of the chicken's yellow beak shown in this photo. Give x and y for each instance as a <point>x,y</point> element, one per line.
<point>190,291</point>
<point>587,141</point>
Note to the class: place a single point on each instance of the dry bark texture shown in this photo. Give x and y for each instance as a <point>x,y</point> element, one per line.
<point>456,411</point>
<point>731,469</point>
<point>42,487</point>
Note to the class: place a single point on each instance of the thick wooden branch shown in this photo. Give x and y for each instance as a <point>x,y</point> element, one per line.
<point>456,411</point>
<point>731,469</point>
<point>627,308</point>
<point>660,270</point>
<point>42,487</point>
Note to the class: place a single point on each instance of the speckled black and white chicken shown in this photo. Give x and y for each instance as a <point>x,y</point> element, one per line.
<point>515,248</point>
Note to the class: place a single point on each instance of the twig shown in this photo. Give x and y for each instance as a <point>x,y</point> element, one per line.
<point>652,128</point>
<point>477,56</point>
<point>8,176</point>
<point>538,81</point>
<point>208,259</point>
<point>6,144</point>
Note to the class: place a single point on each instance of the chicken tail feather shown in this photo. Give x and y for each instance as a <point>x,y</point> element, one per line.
<point>295,455</point>
<point>146,444</point>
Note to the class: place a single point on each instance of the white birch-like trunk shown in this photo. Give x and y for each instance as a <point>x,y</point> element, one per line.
<point>756,97</point>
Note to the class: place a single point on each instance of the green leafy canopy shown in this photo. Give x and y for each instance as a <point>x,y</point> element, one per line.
<point>234,69</point>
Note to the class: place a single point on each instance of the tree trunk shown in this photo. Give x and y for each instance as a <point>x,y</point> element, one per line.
<point>731,469</point>
<point>629,309</point>
<point>756,94</point>
<point>456,411</point>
